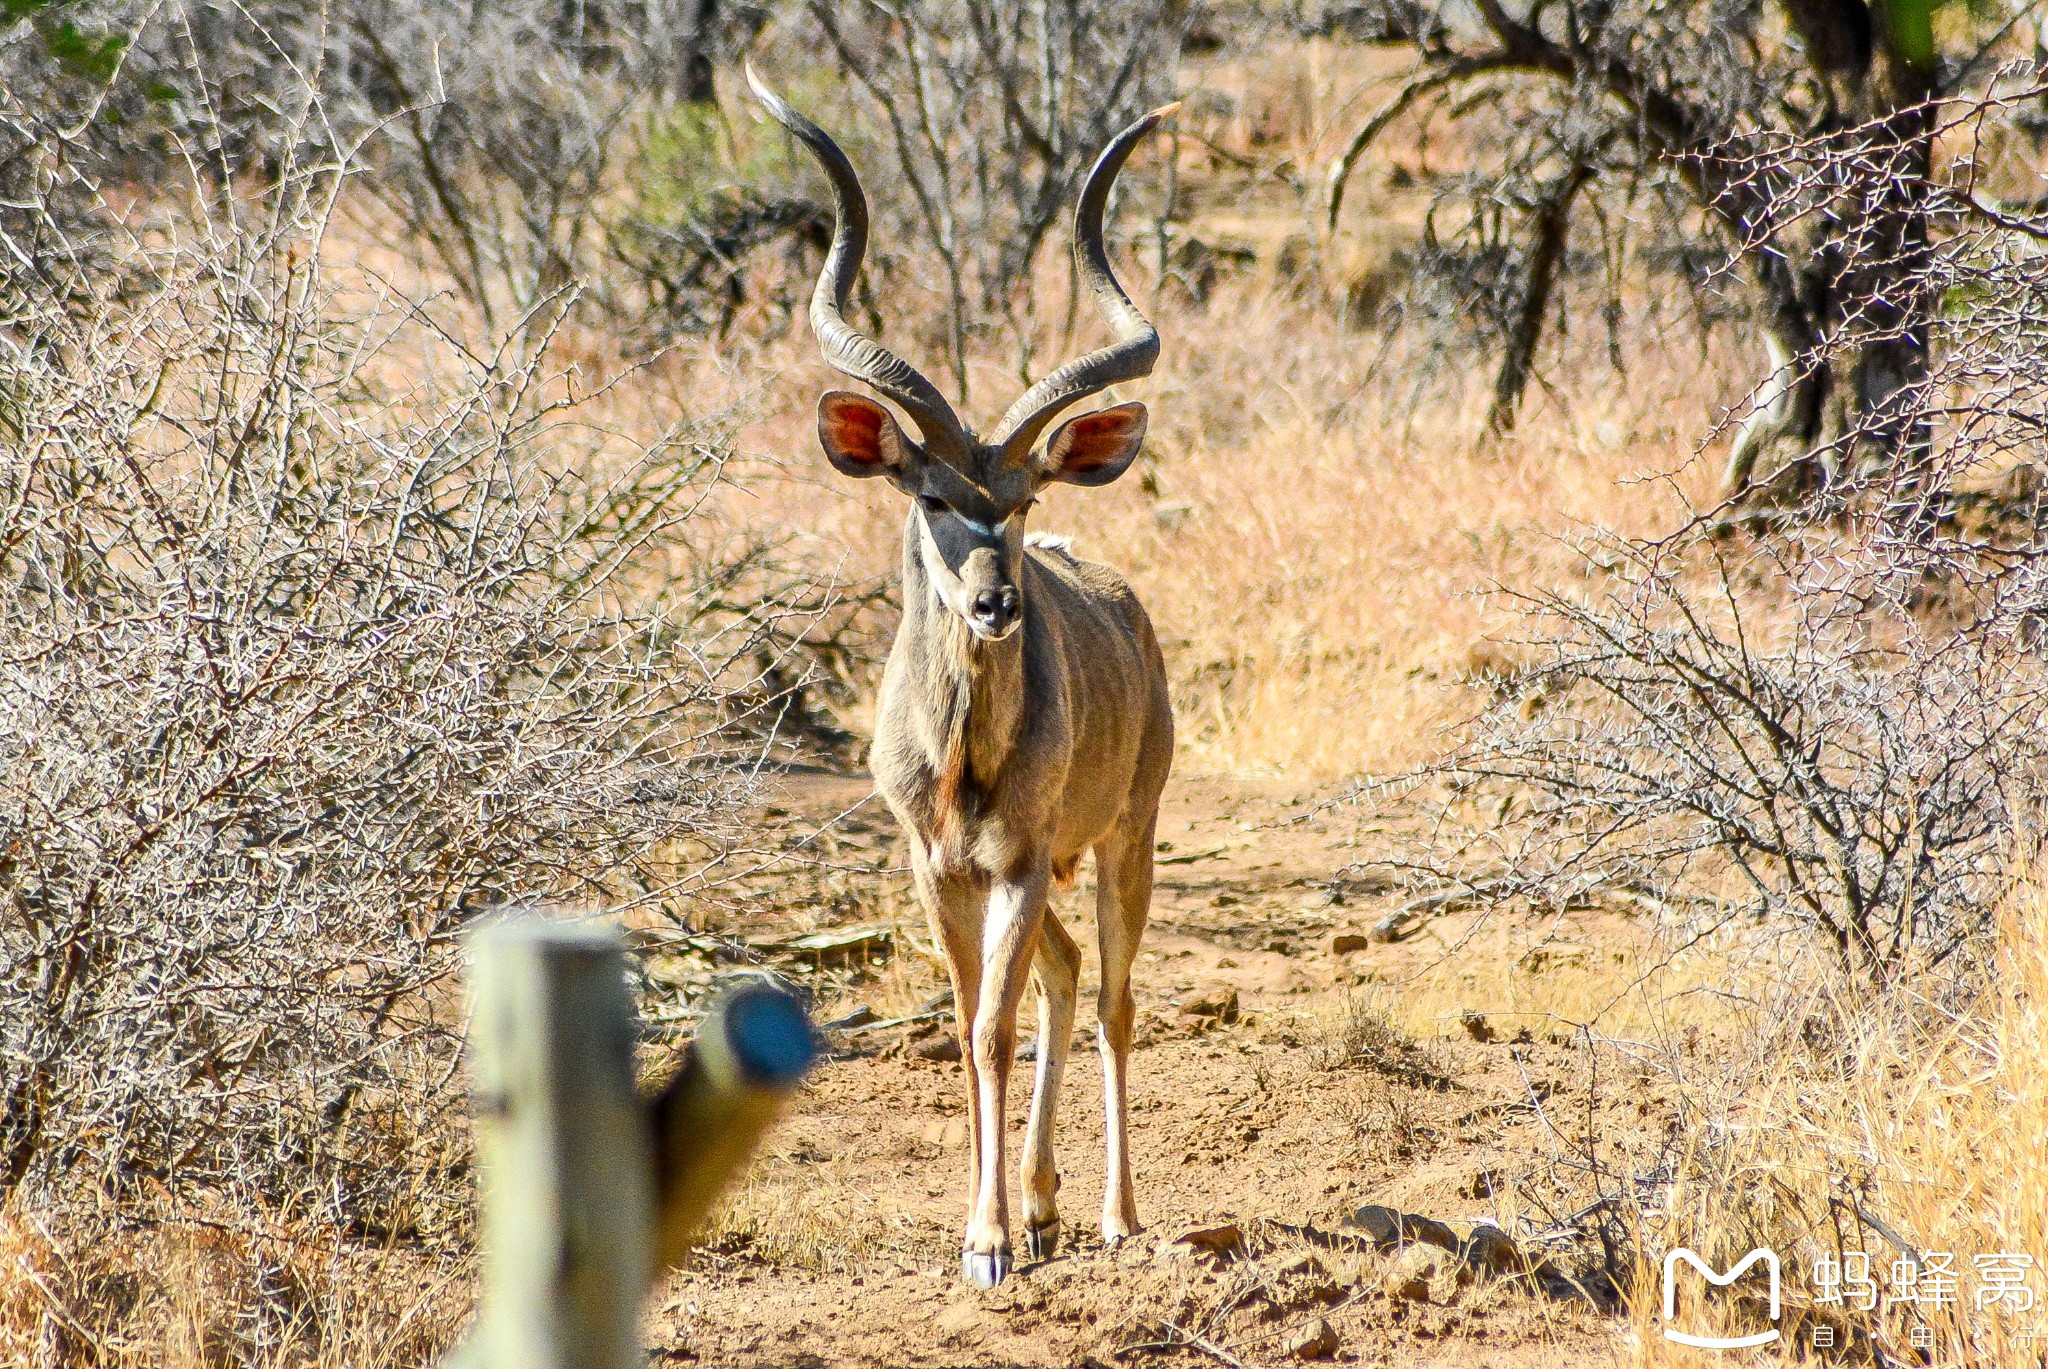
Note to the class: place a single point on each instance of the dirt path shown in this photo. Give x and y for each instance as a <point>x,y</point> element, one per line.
<point>1266,1124</point>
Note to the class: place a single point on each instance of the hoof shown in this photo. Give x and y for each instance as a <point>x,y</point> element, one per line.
<point>984,1268</point>
<point>1040,1242</point>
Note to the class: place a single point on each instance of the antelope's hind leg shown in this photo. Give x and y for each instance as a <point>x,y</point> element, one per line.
<point>1123,900</point>
<point>1058,976</point>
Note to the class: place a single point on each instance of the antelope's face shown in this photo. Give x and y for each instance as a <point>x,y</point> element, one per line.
<point>970,511</point>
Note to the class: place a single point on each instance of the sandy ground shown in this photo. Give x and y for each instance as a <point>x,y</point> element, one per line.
<point>1266,1129</point>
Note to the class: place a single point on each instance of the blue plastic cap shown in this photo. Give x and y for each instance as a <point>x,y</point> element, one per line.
<point>769,1035</point>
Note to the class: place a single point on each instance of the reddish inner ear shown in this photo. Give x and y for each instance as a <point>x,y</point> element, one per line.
<point>1094,441</point>
<point>852,429</point>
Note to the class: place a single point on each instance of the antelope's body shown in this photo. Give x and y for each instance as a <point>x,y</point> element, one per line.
<point>1006,762</point>
<point>1024,715</point>
<point>1038,743</point>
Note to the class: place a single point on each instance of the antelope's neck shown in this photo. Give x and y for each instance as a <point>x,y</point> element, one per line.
<point>969,693</point>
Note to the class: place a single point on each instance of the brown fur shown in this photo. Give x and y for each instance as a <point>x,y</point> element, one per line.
<point>1007,760</point>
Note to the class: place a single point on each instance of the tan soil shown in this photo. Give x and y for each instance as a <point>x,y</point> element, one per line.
<point>843,1249</point>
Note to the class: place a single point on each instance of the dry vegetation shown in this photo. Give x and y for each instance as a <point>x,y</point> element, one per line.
<point>1321,529</point>
<point>1909,1120</point>
<point>1314,551</point>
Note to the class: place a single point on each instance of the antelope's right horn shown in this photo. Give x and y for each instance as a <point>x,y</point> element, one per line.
<point>845,347</point>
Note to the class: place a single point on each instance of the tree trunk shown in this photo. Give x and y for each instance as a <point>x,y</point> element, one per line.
<point>1790,404</point>
<point>1865,282</point>
<point>1549,234</point>
<point>698,87</point>
<point>1887,283</point>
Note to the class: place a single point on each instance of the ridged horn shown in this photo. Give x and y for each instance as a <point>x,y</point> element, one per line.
<point>845,347</point>
<point>1137,342</point>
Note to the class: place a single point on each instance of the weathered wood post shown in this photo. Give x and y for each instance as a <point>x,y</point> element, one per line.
<point>586,1192</point>
<point>561,1146</point>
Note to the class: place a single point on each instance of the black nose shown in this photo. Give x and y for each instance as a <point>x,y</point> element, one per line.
<point>995,609</point>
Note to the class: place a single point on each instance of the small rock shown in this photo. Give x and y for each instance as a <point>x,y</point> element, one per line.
<point>1218,1004</point>
<point>1382,1224</point>
<point>1317,1340</point>
<point>1416,1272</point>
<point>942,1048</point>
<point>1390,1227</point>
<point>1489,1250</point>
<point>1476,1026</point>
<point>1344,943</point>
<point>1212,1240</point>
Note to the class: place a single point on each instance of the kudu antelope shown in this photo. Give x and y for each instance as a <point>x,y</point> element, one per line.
<point>1024,717</point>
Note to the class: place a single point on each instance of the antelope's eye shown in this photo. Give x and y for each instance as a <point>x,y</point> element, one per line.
<point>934,504</point>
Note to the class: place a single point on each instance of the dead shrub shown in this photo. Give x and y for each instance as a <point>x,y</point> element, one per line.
<point>1885,1133</point>
<point>1359,1032</point>
<point>322,630</point>
<point>1832,715</point>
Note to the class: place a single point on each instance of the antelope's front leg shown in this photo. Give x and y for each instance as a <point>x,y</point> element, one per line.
<point>1009,940</point>
<point>949,903</point>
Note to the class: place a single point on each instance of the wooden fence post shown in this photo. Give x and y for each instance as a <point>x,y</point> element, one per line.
<point>561,1144</point>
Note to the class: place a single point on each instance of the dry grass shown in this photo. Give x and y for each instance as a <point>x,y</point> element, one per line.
<point>226,1288</point>
<point>1923,1110</point>
<point>805,1221</point>
<point>1625,978</point>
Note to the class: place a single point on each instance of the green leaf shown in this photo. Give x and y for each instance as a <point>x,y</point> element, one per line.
<point>93,58</point>
<point>1909,31</point>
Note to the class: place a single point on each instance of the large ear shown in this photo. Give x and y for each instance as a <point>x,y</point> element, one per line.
<point>1096,448</point>
<point>861,438</point>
